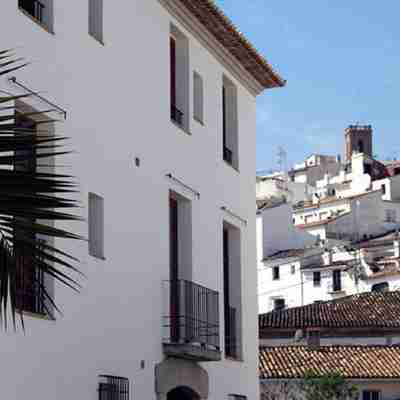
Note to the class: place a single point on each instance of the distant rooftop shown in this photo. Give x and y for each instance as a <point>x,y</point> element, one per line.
<point>352,362</point>
<point>366,310</point>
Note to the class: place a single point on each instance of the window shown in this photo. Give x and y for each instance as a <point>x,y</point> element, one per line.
<point>232,291</point>
<point>380,287</point>
<point>179,67</point>
<point>337,280</point>
<point>317,278</point>
<point>40,11</point>
<point>230,123</point>
<point>371,395</point>
<point>275,273</point>
<point>313,338</point>
<point>237,397</point>
<point>360,146</point>
<point>29,281</point>
<point>390,216</point>
<point>279,304</point>
<point>383,189</point>
<point>96,19</point>
<point>96,226</point>
<point>113,388</point>
<point>198,100</point>
<point>293,269</point>
<point>180,266</point>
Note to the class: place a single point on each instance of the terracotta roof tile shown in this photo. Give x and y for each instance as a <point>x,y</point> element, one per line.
<point>366,310</point>
<point>352,362</point>
<point>219,25</point>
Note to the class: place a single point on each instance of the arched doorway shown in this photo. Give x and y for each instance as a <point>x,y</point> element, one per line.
<point>182,393</point>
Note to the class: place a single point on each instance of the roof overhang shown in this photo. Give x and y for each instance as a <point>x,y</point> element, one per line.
<point>217,33</point>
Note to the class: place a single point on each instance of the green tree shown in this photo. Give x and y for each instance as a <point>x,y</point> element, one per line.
<point>331,386</point>
<point>32,202</point>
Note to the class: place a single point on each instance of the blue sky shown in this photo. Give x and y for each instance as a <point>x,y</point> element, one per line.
<point>341,60</point>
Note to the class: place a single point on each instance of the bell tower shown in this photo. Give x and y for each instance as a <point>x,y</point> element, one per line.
<point>358,140</point>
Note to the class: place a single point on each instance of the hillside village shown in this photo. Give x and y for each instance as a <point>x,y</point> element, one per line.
<point>329,270</point>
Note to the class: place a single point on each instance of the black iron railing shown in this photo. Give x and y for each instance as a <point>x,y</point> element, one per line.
<point>113,388</point>
<point>231,342</point>
<point>176,115</point>
<point>30,282</point>
<point>228,155</point>
<point>33,7</point>
<point>193,315</point>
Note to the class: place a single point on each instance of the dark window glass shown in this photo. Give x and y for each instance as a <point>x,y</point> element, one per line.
<point>337,280</point>
<point>279,304</point>
<point>275,273</point>
<point>371,395</point>
<point>317,278</point>
<point>380,287</point>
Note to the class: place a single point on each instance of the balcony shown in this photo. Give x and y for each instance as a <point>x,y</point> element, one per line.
<point>176,115</point>
<point>34,8</point>
<point>191,321</point>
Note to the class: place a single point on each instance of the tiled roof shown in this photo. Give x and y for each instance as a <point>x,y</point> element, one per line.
<point>219,25</point>
<point>352,362</point>
<point>321,265</point>
<point>366,310</point>
<point>286,254</point>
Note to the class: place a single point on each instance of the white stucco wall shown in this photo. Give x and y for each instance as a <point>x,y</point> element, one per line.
<point>117,97</point>
<point>279,233</point>
<point>288,287</point>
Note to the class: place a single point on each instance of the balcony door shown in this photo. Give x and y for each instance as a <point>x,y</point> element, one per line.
<point>174,268</point>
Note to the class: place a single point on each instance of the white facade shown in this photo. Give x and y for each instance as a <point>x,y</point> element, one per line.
<point>309,277</point>
<point>117,99</point>
<point>281,187</point>
<point>276,231</point>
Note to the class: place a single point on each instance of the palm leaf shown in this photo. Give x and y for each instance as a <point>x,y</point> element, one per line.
<point>31,203</point>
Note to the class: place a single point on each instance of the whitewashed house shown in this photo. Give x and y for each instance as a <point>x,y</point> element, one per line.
<point>301,276</point>
<point>158,98</point>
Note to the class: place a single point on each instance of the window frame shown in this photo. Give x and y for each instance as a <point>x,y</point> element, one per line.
<point>43,18</point>
<point>96,231</point>
<point>198,97</point>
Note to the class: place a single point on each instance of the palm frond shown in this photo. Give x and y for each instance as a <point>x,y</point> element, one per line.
<point>31,203</point>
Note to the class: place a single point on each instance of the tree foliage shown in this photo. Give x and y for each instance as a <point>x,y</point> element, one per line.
<point>32,202</point>
<point>331,386</point>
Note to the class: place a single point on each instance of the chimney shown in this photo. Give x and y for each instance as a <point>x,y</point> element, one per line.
<point>314,338</point>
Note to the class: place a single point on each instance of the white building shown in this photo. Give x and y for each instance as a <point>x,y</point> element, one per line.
<point>175,181</point>
<point>351,218</point>
<point>302,276</point>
